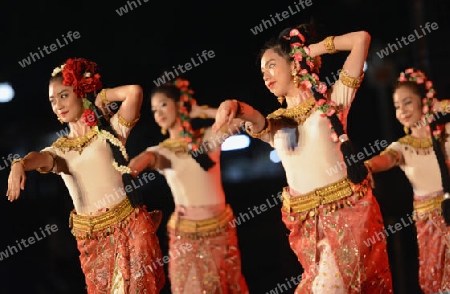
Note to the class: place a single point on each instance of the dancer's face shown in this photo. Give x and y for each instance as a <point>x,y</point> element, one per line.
<point>408,106</point>
<point>276,72</point>
<point>65,104</point>
<point>164,110</point>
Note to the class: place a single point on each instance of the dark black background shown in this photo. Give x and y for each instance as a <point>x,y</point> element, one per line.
<point>136,48</point>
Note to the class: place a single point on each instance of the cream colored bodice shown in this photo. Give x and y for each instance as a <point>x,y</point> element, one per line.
<point>192,186</point>
<point>309,156</point>
<point>421,166</point>
<point>93,182</point>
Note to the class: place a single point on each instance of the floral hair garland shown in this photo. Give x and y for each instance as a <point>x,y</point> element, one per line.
<point>418,77</point>
<point>304,65</point>
<point>82,75</point>
<point>186,131</point>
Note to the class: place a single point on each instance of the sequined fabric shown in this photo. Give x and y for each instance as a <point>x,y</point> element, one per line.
<point>212,265</point>
<point>335,253</point>
<point>433,237</point>
<point>121,262</point>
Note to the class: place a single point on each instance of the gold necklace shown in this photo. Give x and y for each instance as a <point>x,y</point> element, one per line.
<point>419,143</point>
<point>177,146</point>
<point>65,144</point>
<point>300,112</point>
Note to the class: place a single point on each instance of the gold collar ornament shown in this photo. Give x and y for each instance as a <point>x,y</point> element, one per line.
<point>300,113</point>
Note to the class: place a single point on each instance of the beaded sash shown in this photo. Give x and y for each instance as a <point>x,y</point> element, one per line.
<point>328,198</point>
<point>196,229</point>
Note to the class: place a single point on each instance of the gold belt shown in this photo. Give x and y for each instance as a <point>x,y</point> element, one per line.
<point>423,207</point>
<point>201,228</point>
<point>329,195</point>
<point>91,224</point>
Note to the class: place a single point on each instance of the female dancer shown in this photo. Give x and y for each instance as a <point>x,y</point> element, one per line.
<point>190,161</point>
<point>115,233</point>
<point>421,155</point>
<point>329,216</point>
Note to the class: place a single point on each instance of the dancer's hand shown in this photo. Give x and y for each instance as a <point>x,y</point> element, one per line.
<point>225,114</point>
<point>139,163</point>
<point>196,111</point>
<point>16,181</point>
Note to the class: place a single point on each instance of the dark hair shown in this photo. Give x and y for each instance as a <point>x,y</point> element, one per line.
<point>356,172</point>
<point>421,91</point>
<point>134,195</point>
<point>174,93</point>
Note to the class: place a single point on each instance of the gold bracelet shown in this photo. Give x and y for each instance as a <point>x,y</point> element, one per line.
<point>16,160</point>
<point>444,104</point>
<point>203,115</point>
<point>53,166</point>
<point>349,81</point>
<point>328,42</point>
<point>103,96</point>
<point>263,132</point>
<point>125,123</point>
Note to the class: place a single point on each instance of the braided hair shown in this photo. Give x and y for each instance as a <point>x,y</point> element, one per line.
<point>416,81</point>
<point>292,43</point>
<point>179,91</point>
<point>83,76</point>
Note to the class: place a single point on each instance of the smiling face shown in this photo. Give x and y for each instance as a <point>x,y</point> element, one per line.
<point>276,71</point>
<point>408,106</point>
<point>164,110</point>
<point>65,104</point>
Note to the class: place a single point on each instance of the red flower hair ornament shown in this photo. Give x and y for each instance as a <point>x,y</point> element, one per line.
<point>83,76</point>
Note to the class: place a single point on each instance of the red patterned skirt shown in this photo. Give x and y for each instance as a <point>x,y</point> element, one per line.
<point>204,256</point>
<point>330,232</point>
<point>118,248</point>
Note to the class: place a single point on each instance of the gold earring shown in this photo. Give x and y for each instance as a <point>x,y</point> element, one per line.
<point>163,131</point>
<point>61,120</point>
<point>281,99</point>
<point>406,129</point>
<point>296,78</point>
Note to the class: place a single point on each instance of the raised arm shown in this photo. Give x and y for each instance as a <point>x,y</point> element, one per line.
<point>130,96</point>
<point>356,42</point>
<point>44,162</point>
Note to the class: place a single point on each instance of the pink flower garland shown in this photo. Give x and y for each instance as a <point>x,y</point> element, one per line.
<point>300,52</point>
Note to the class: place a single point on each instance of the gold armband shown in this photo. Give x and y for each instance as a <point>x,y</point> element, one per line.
<point>53,166</point>
<point>328,42</point>
<point>125,123</point>
<point>444,104</point>
<point>349,81</point>
<point>263,132</point>
<point>203,115</point>
<point>103,96</point>
<point>16,160</point>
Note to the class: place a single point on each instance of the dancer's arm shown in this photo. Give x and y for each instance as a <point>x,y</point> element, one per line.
<point>130,97</point>
<point>42,161</point>
<point>356,42</point>
<point>231,109</point>
<point>385,161</point>
<point>146,160</point>
<point>210,112</point>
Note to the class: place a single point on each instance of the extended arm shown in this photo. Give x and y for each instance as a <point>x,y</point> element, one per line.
<point>210,112</point>
<point>385,161</point>
<point>146,160</point>
<point>231,109</point>
<point>43,161</point>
